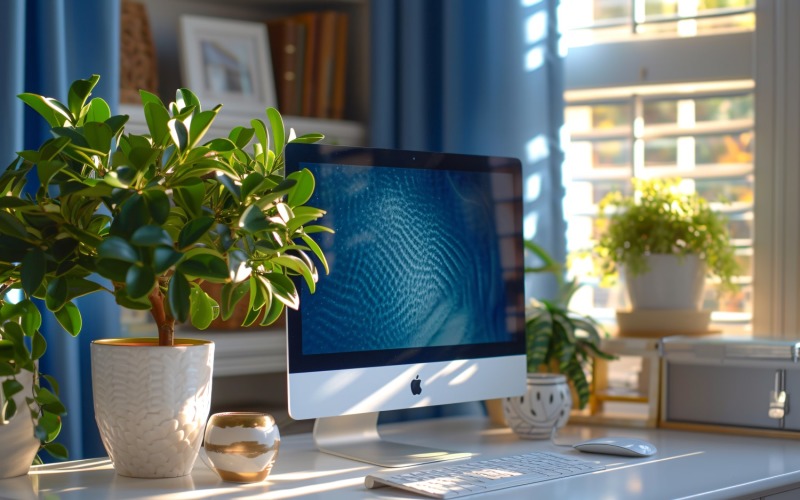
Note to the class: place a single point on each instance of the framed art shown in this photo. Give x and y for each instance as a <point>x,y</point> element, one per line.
<point>227,62</point>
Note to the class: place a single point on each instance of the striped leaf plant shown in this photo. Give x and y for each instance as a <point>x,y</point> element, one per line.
<point>558,339</point>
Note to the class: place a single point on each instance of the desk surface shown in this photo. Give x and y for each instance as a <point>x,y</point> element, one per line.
<point>687,465</point>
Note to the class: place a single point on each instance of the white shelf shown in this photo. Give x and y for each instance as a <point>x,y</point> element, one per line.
<point>346,133</point>
<point>236,352</point>
<point>245,352</point>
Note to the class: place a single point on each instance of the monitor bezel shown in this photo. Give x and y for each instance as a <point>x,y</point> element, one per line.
<point>298,154</point>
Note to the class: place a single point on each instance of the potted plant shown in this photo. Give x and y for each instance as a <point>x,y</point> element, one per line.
<point>33,255</point>
<point>156,215</point>
<point>665,242</point>
<point>30,414</point>
<point>560,345</point>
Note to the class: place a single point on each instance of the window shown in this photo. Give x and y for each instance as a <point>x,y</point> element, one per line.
<point>598,21</point>
<point>659,88</point>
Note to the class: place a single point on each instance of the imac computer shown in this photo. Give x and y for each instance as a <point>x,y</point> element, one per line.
<point>424,302</point>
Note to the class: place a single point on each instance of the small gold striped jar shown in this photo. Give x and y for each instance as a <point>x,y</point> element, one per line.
<point>242,447</point>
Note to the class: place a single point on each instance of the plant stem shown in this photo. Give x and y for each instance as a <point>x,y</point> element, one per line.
<point>162,317</point>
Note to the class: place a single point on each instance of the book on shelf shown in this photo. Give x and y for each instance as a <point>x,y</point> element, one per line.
<point>309,57</point>
<point>340,66</point>
<point>325,62</point>
<point>299,82</point>
<point>311,22</point>
<point>283,46</point>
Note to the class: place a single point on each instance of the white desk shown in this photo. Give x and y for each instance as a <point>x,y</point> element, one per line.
<point>687,465</point>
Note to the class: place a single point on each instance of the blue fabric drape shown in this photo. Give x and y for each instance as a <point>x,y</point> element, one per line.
<point>47,44</point>
<point>476,77</point>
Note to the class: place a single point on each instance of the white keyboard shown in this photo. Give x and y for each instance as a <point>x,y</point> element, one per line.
<point>478,476</point>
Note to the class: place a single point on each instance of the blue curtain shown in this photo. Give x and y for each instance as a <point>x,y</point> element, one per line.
<point>476,77</point>
<point>47,44</point>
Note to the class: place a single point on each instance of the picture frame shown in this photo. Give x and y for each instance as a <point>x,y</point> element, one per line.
<point>226,61</point>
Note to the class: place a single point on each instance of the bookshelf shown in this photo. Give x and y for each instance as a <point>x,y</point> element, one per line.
<point>164,18</point>
<point>345,132</point>
<point>247,351</point>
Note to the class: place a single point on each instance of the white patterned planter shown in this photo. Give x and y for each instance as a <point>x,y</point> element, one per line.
<point>544,406</point>
<point>18,446</point>
<point>151,403</point>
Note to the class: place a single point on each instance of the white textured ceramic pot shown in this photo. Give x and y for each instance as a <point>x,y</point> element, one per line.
<point>151,403</point>
<point>18,445</point>
<point>672,282</point>
<point>544,406</point>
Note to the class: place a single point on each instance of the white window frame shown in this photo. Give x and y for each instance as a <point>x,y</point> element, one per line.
<point>777,165</point>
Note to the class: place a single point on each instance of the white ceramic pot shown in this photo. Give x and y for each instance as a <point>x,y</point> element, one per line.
<point>18,445</point>
<point>544,406</point>
<point>672,282</point>
<point>242,447</point>
<point>151,403</point>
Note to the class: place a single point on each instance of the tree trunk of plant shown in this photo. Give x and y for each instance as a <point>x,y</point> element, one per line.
<point>164,320</point>
<point>166,333</point>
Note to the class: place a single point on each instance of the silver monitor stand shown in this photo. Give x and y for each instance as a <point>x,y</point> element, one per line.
<point>356,437</point>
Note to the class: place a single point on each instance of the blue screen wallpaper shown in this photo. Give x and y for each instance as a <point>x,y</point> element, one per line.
<point>414,261</point>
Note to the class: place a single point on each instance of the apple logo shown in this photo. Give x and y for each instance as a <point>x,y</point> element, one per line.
<point>416,386</point>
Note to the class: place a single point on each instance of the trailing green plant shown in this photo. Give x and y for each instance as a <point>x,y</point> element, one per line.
<point>19,328</point>
<point>558,339</point>
<point>155,214</point>
<point>660,218</point>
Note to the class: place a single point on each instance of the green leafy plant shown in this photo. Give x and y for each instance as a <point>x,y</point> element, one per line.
<point>155,214</point>
<point>558,339</point>
<point>659,218</point>
<point>19,329</point>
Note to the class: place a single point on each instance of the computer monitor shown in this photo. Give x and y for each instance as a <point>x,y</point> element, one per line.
<point>424,303</point>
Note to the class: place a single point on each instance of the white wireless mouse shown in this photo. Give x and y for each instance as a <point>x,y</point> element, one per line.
<point>624,446</point>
